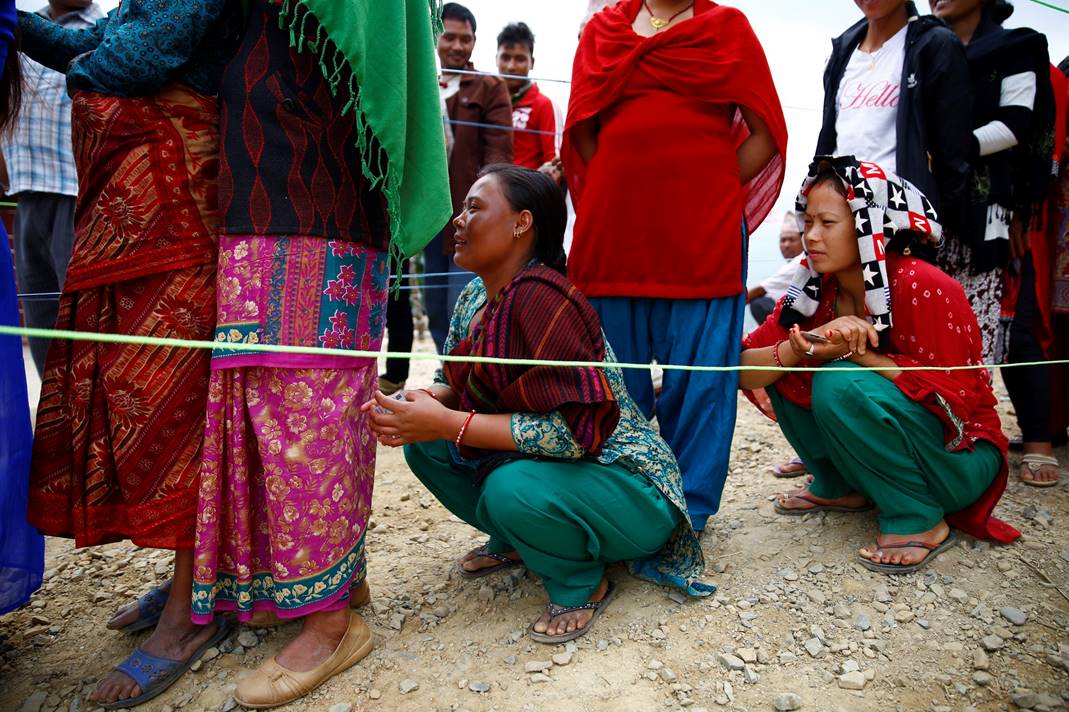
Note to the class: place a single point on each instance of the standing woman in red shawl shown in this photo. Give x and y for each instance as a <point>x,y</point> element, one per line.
<point>674,149</point>
<point>924,447</point>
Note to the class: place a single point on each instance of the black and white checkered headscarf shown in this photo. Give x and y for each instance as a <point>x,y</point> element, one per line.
<point>883,205</point>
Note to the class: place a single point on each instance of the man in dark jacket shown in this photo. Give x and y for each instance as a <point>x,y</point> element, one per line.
<point>934,123</point>
<point>469,100</point>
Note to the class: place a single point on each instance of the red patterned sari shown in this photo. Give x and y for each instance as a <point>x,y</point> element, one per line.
<point>117,450</point>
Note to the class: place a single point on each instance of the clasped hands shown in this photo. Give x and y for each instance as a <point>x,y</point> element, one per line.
<point>417,417</point>
<point>847,337</point>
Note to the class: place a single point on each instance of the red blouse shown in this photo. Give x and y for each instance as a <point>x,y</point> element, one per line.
<point>933,326</point>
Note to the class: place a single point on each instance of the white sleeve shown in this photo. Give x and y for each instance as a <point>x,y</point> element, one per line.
<point>1017,90</point>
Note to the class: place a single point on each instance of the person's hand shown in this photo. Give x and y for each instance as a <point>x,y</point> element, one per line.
<point>418,418</point>
<point>845,336</point>
<point>554,169</point>
<point>1020,239</point>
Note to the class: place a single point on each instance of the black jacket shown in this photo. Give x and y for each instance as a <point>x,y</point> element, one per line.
<point>934,112</point>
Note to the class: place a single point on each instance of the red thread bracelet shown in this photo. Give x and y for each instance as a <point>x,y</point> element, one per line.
<point>429,392</point>
<point>775,353</point>
<point>464,427</point>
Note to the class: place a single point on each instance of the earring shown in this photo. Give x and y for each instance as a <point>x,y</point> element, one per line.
<point>516,234</point>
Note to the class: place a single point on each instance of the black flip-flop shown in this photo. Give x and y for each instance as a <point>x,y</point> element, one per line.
<point>806,497</point>
<point>503,562</point>
<point>781,473</point>
<point>556,611</point>
<point>934,550</point>
<point>154,674</point>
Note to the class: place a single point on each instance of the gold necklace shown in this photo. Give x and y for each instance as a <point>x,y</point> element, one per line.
<point>657,23</point>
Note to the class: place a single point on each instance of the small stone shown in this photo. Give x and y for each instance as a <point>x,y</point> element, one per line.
<point>851,666</point>
<point>341,707</point>
<point>408,685</point>
<point>540,677</point>
<point>924,623</point>
<point>958,595</point>
<point>814,647</point>
<point>479,687</point>
<point>862,622</point>
<point>983,679</point>
<point>750,675</point>
<point>486,594</point>
<point>853,681</point>
<point>34,702</point>
<point>374,694</point>
<point>655,664</point>
<point>748,655</point>
<point>904,616</point>
<point>248,639</point>
<point>789,575</point>
<point>678,597</point>
<point>992,643</point>
<point>1024,698</point>
<point>562,659</point>
<point>787,702</point>
<point>730,662</point>
<point>536,666</point>
<point>667,675</point>
<point>197,666</point>
<point>1013,615</point>
<point>980,661</point>
<point>210,654</point>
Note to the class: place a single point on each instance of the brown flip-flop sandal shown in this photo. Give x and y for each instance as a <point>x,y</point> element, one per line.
<point>504,562</point>
<point>806,497</point>
<point>782,473</point>
<point>555,611</point>
<point>934,550</point>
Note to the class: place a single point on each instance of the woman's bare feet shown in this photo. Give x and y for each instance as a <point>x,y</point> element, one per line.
<point>802,500</point>
<point>908,556</point>
<point>131,612</point>
<point>474,560</point>
<point>1041,469</point>
<point>319,637</point>
<point>570,622</point>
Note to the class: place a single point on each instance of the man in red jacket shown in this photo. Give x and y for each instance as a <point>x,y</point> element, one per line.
<point>476,107</point>
<point>535,142</point>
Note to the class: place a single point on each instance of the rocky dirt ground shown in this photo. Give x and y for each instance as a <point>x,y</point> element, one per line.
<point>795,624</point>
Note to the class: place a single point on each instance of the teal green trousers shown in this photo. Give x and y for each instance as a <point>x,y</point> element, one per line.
<point>864,435</point>
<point>568,520</point>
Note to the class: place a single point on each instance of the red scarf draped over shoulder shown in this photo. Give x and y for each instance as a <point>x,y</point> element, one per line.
<point>714,55</point>
<point>540,316</point>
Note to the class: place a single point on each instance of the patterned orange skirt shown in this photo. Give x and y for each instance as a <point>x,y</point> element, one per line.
<point>117,449</point>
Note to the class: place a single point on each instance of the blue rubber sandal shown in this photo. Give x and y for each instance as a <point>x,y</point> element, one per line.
<point>149,609</point>
<point>154,675</point>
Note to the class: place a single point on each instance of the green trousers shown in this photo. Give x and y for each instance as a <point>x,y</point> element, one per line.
<point>864,435</point>
<point>568,520</point>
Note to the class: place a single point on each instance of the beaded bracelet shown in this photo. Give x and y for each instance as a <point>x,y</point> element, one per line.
<point>429,392</point>
<point>464,427</point>
<point>775,353</point>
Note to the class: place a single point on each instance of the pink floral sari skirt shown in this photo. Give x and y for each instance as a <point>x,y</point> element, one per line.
<point>289,460</point>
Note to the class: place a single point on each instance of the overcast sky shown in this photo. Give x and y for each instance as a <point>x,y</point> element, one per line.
<point>796,36</point>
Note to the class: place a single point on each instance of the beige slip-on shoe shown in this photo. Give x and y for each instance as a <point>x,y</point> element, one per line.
<point>358,598</point>
<point>272,685</point>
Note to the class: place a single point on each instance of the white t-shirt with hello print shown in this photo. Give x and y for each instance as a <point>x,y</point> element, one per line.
<point>867,104</point>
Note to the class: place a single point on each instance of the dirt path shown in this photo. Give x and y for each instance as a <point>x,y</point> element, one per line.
<point>795,622</point>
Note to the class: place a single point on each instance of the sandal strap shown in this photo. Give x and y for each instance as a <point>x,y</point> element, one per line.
<point>152,603</point>
<point>910,545</point>
<point>1040,460</point>
<point>145,668</point>
<point>556,611</point>
<point>484,551</point>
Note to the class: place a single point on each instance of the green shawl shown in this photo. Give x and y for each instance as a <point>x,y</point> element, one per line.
<point>384,51</point>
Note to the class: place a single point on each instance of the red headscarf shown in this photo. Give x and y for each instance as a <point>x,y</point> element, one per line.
<point>715,56</point>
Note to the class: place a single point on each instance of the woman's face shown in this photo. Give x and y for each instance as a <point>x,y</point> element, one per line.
<point>830,238</point>
<point>951,11</point>
<point>487,227</point>
<point>879,9</point>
